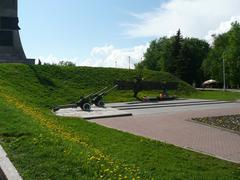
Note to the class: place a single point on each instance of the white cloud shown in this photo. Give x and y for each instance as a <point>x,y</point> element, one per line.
<point>109,56</point>
<point>222,28</point>
<point>105,56</point>
<point>196,18</point>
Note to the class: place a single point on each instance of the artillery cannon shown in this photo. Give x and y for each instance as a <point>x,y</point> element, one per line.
<point>86,102</point>
<point>98,98</point>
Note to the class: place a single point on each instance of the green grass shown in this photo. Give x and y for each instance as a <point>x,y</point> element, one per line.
<point>209,95</point>
<point>43,146</point>
<point>213,95</point>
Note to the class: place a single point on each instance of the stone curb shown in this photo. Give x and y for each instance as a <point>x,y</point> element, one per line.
<point>109,116</point>
<point>7,170</point>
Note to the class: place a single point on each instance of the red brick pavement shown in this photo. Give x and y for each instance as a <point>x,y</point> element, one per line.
<point>174,128</point>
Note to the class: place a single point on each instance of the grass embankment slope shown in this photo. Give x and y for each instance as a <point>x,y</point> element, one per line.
<point>43,146</point>
<point>212,95</point>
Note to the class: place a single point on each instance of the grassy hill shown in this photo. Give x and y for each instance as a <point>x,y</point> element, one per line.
<point>43,146</point>
<point>50,85</point>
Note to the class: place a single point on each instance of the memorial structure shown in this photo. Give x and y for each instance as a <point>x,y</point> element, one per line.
<point>11,50</point>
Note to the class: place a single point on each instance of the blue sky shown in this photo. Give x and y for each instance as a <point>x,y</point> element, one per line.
<point>106,32</point>
<point>71,28</point>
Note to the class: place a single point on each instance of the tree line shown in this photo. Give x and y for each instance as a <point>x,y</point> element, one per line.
<point>194,60</point>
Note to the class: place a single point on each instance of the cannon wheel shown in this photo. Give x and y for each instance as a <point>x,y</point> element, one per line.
<point>100,103</point>
<point>86,107</point>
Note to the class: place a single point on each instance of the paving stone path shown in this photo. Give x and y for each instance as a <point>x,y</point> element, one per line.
<point>171,124</point>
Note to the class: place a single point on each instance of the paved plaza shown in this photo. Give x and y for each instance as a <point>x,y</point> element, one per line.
<point>169,122</point>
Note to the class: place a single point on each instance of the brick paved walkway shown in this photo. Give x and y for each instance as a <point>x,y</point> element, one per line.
<point>172,127</point>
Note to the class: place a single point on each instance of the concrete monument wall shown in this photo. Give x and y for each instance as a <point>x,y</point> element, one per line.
<point>11,50</point>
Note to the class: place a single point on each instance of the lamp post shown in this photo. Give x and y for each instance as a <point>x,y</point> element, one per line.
<point>224,76</point>
<point>129,62</point>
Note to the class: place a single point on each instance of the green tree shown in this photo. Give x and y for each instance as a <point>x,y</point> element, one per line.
<point>163,53</point>
<point>180,56</point>
<point>225,48</point>
<point>174,63</point>
<point>183,63</point>
<point>212,65</point>
<point>154,57</point>
<point>194,51</point>
<point>232,55</point>
<point>66,63</point>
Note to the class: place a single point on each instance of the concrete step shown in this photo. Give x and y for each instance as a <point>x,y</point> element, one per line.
<point>169,104</point>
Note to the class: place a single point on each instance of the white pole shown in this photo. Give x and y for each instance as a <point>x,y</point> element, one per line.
<point>129,61</point>
<point>224,76</point>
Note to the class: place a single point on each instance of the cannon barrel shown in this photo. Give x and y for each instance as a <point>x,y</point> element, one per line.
<point>109,90</point>
<point>99,92</point>
<point>88,96</point>
<point>92,95</point>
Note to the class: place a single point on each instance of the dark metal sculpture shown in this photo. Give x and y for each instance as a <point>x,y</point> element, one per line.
<point>86,102</point>
<point>139,85</point>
